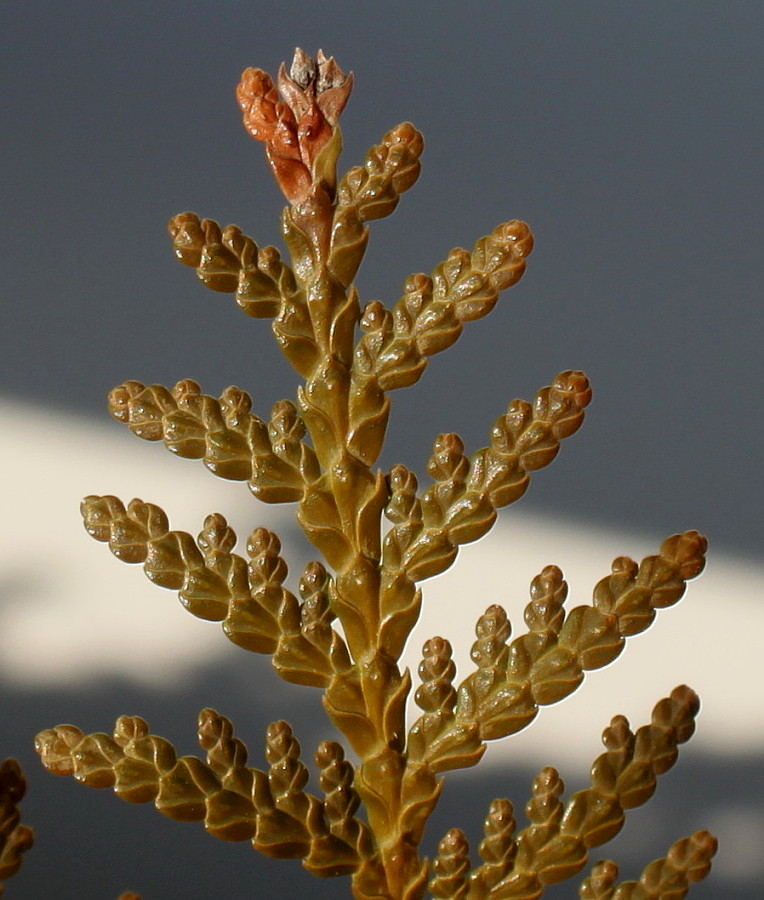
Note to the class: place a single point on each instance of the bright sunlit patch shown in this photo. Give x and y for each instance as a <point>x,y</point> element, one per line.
<point>70,612</point>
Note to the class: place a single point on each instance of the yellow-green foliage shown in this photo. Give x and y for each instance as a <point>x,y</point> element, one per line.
<point>345,630</point>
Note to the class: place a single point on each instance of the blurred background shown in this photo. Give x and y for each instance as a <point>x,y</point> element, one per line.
<point>629,138</point>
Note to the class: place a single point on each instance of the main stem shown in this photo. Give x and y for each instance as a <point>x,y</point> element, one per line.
<point>325,403</point>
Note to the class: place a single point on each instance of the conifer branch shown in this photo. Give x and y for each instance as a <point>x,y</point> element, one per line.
<point>369,585</point>
<point>233,443</point>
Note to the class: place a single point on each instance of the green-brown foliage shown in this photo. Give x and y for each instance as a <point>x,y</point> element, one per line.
<point>345,629</point>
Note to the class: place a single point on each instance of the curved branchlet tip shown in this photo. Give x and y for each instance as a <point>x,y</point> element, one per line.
<point>300,131</point>
<point>437,672</point>
<point>284,474</point>
<point>541,857</point>
<point>482,697</point>
<point>451,867</point>
<point>450,514</point>
<point>527,437</point>
<point>432,311</point>
<point>226,754</point>
<point>449,468</point>
<point>373,190</point>
<point>232,442</point>
<point>688,859</point>
<point>400,600</point>
<point>545,612</point>
<point>228,261</point>
<point>669,878</point>
<point>625,776</point>
<point>461,504</point>
<point>633,593</point>
<point>673,722</point>
<point>404,507</point>
<point>54,746</point>
<point>15,838</point>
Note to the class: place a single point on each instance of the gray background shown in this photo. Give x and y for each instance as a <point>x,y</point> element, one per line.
<point>629,137</point>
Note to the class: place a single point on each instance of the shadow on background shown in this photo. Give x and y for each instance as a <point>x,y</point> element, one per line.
<point>89,843</point>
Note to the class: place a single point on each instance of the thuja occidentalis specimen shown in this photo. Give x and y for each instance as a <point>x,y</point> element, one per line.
<point>345,630</point>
